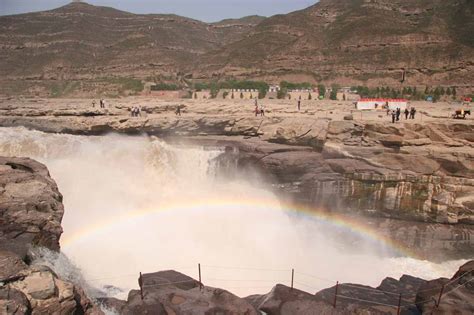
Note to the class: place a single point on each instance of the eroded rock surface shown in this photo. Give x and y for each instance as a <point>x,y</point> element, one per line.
<point>455,295</point>
<point>414,171</point>
<point>30,204</point>
<point>170,292</point>
<point>414,295</point>
<point>31,210</point>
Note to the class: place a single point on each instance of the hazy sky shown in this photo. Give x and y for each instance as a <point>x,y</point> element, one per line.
<point>205,10</point>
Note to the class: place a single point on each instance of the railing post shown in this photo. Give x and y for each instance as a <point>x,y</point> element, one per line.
<point>140,283</point>
<point>200,281</point>
<point>399,304</point>
<point>335,294</point>
<point>292,278</point>
<point>440,295</point>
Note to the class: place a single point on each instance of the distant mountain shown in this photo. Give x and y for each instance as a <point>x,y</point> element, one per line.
<point>350,42</point>
<point>247,20</point>
<point>84,40</point>
<point>358,41</point>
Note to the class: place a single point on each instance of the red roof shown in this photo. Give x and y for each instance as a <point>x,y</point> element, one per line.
<point>383,100</point>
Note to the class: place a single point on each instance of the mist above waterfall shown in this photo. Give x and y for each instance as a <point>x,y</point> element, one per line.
<point>137,204</point>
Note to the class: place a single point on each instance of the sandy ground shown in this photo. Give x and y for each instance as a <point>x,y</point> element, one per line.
<point>335,110</point>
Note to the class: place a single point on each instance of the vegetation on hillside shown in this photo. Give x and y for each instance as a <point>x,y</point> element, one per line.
<point>412,93</point>
<point>165,87</point>
<point>321,89</point>
<point>295,86</point>
<point>215,86</point>
<point>64,88</point>
<point>126,84</point>
<point>334,89</point>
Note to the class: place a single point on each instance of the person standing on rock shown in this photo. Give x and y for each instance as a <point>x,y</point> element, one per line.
<point>262,110</point>
<point>406,113</point>
<point>93,103</point>
<point>399,112</point>
<point>299,104</point>
<point>394,116</point>
<point>256,110</point>
<point>412,113</point>
<point>178,110</point>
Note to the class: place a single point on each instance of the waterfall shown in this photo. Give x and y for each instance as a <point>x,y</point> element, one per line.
<point>138,204</point>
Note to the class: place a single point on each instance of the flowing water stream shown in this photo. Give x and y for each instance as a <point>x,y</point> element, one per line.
<point>137,204</point>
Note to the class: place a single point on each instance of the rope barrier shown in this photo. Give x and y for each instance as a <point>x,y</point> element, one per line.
<point>315,277</point>
<point>244,280</point>
<point>447,283</point>
<point>260,287</point>
<point>112,278</point>
<point>134,275</point>
<point>406,302</point>
<point>445,293</point>
<point>458,287</point>
<point>306,285</point>
<point>168,283</point>
<point>432,299</point>
<point>368,289</point>
<point>246,268</point>
<point>366,301</point>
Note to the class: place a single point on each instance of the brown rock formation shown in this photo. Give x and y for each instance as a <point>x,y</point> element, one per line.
<point>457,295</point>
<point>170,292</point>
<point>31,210</point>
<point>414,177</point>
<point>418,296</point>
<point>31,204</point>
<point>313,160</point>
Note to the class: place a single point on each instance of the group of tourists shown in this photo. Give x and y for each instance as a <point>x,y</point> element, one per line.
<point>136,111</point>
<point>101,103</point>
<point>409,114</point>
<point>259,109</point>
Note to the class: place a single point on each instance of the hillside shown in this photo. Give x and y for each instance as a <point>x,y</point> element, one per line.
<point>365,41</point>
<point>81,41</point>
<point>246,20</point>
<point>84,39</point>
<point>82,48</point>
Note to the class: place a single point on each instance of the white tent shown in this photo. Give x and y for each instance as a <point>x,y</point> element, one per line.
<point>380,103</point>
<point>399,103</point>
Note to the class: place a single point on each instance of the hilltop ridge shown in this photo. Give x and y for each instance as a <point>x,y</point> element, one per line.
<point>359,41</point>
<point>363,42</point>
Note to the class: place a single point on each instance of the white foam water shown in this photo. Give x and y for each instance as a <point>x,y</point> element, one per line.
<point>137,204</point>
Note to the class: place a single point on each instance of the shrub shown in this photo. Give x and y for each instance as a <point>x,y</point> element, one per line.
<point>281,93</point>
<point>164,87</point>
<point>295,86</point>
<point>334,89</point>
<point>322,89</point>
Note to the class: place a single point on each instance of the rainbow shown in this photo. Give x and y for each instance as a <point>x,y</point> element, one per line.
<point>338,220</point>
